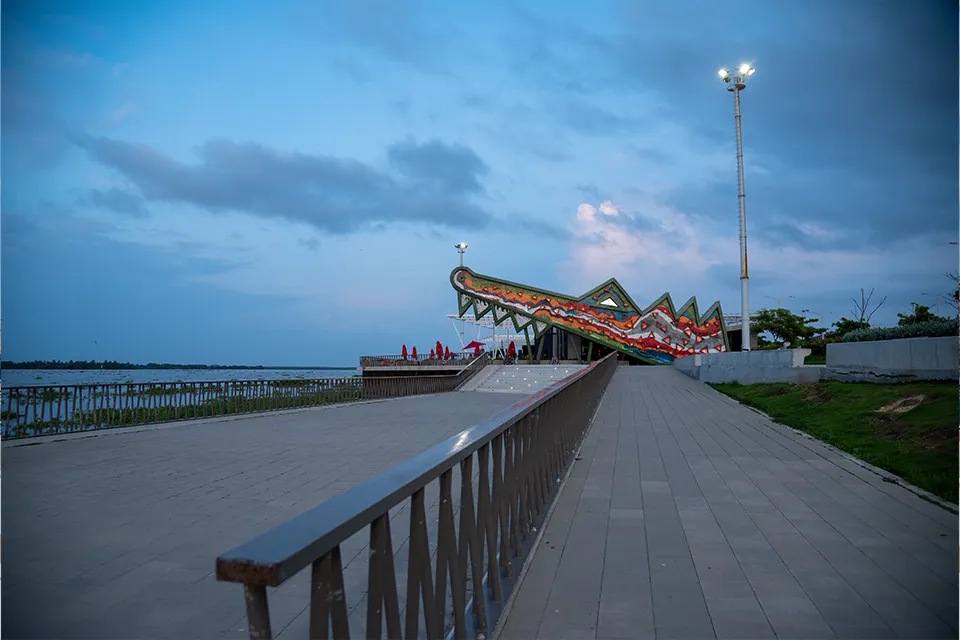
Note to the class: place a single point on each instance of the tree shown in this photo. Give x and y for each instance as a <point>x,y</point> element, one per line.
<point>846,325</point>
<point>862,311</point>
<point>785,325</point>
<point>921,313</point>
<point>403,352</point>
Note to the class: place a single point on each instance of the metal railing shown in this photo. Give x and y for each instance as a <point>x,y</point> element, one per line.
<point>510,467</point>
<point>56,409</point>
<point>421,360</point>
<point>374,387</point>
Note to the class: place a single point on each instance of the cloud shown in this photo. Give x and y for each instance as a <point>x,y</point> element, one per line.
<point>589,190</point>
<point>117,200</point>
<point>845,151</point>
<point>451,168</point>
<point>409,35</point>
<point>332,194</point>
<point>122,112</point>
<point>609,239</point>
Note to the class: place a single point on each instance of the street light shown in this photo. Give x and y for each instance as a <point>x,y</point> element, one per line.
<point>461,248</point>
<point>819,315</point>
<point>736,82</point>
<point>939,297</point>
<point>779,300</point>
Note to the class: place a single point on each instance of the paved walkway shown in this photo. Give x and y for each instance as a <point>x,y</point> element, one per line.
<point>116,536</point>
<point>689,516</point>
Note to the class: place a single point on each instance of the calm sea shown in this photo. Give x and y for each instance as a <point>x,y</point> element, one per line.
<point>33,377</point>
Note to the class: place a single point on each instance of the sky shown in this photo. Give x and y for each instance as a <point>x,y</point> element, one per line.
<point>282,183</point>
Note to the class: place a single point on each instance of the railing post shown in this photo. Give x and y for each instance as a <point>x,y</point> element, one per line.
<point>258,612</point>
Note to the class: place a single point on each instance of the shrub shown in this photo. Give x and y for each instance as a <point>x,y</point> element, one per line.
<point>928,329</point>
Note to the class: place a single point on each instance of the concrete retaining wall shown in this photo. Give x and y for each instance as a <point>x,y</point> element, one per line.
<point>750,367</point>
<point>892,361</point>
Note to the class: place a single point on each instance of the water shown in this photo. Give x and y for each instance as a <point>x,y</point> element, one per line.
<point>37,377</point>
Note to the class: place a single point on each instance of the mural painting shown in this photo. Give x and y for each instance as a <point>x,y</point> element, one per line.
<point>606,315</point>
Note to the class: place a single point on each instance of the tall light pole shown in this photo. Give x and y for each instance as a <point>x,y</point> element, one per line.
<point>938,297</point>
<point>779,300</point>
<point>737,83</point>
<point>461,248</point>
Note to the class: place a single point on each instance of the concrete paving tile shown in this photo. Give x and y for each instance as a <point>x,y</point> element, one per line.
<point>141,517</point>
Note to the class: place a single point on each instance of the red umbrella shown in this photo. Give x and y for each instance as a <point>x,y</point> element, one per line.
<point>446,354</point>
<point>476,350</point>
<point>439,349</point>
<point>473,345</point>
<point>512,349</point>
<point>432,354</point>
<point>403,352</point>
<point>414,354</point>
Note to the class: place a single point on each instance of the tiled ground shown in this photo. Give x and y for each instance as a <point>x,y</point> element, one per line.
<point>116,536</point>
<point>689,516</point>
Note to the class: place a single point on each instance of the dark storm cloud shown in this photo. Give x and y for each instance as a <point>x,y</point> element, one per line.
<point>117,200</point>
<point>334,194</point>
<point>452,168</point>
<point>856,100</point>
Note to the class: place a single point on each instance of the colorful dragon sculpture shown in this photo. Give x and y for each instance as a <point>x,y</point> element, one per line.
<point>606,315</point>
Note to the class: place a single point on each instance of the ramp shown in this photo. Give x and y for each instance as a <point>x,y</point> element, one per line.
<point>524,379</point>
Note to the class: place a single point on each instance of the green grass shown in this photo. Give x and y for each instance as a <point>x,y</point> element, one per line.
<point>814,358</point>
<point>919,445</point>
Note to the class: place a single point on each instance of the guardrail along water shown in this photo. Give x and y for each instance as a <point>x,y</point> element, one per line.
<point>482,522</point>
<point>56,409</point>
<point>421,360</point>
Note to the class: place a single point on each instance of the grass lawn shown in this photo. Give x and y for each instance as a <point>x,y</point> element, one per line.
<point>814,358</point>
<point>908,429</point>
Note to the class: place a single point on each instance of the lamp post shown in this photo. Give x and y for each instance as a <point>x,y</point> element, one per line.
<point>938,297</point>
<point>737,83</point>
<point>817,314</point>
<point>461,248</point>
<point>779,300</point>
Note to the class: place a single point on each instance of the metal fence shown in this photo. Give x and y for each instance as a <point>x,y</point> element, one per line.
<point>474,540</point>
<point>421,360</point>
<point>46,410</point>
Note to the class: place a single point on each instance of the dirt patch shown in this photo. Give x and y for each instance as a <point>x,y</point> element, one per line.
<point>815,392</point>
<point>889,427</point>
<point>903,404</point>
<point>938,439</point>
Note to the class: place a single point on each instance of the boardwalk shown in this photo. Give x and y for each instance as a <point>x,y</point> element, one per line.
<point>115,536</point>
<point>689,516</point>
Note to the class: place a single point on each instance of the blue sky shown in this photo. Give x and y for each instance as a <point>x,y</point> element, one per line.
<point>283,183</point>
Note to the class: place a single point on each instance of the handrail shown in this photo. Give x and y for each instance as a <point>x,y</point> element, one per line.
<point>472,369</point>
<point>420,361</point>
<point>39,410</point>
<point>530,444</point>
